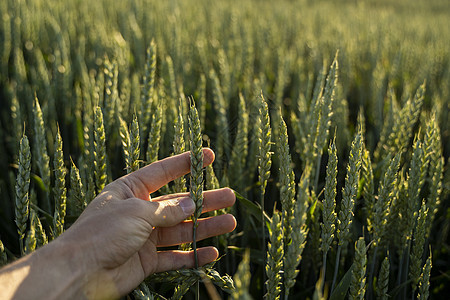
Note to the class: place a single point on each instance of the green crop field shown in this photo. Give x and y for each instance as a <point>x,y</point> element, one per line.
<point>329,119</point>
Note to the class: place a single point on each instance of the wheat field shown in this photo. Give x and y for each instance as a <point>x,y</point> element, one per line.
<point>329,120</point>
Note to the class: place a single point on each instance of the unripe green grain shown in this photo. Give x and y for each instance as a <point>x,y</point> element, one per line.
<point>349,191</point>
<point>22,189</point>
<point>99,151</point>
<point>424,281</point>
<point>383,202</point>
<point>274,258</point>
<point>179,147</point>
<point>418,246</point>
<point>383,280</point>
<point>59,190</point>
<point>329,202</point>
<point>242,279</point>
<point>294,249</point>
<point>358,284</point>
<point>155,135</point>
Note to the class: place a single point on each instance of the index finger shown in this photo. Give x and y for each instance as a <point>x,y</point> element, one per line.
<point>150,178</point>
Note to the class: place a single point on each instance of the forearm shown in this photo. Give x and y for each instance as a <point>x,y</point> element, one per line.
<point>52,272</point>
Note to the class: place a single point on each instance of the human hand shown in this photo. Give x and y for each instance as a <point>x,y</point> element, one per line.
<point>119,232</point>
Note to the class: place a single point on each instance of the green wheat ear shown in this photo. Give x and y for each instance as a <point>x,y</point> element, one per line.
<point>179,147</point>
<point>349,191</point>
<point>274,257</point>
<point>329,202</point>
<point>154,136</point>
<point>99,151</point>
<point>242,279</point>
<point>3,257</point>
<point>22,202</point>
<point>358,284</point>
<point>383,280</point>
<point>424,281</point>
<point>419,246</point>
<point>59,189</point>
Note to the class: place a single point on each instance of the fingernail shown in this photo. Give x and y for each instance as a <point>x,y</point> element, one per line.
<point>187,205</point>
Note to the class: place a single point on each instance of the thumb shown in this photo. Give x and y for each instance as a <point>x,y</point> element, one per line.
<point>167,212</point>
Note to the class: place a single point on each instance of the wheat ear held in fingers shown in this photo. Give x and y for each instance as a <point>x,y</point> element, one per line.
<point>99,151</point>
<point>196,177</point>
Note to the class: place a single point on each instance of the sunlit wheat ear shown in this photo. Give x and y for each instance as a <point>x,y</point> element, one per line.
<point>3,257</point>
<point>31,241</point>
<point>110,102</point>
<point>349,191</point>
<point>274,257</point>
<point>287,177</point>
<point>424,281</point>
<point>435,175</point>
<point>402,130</point>
<point>196,176</point>
<point>415,180</point>
<point>154,136</point>
<point>418,247</point>
<point>383,202</point>
<point>242,279</point>
<point>17,123</point>
<point>22,201</point>
<point>223,140</point>
<point>41,154</point>
<point>294,249</point>
<point>383,280</point>
<point>59,189</point>
<point>358,284</point>
<point>368,185</point>
<point>99,151</point>
<point>148,89</point>
<point>265,144</point>
<point>212,182</point>
<point>179,146</point>
<point>135,144</point>
<point>126,145</point>
<point>240,148</point>
<point>77,195</point>
<point>329,202</point>
<point>201,101</point>
<point>41,236</point>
